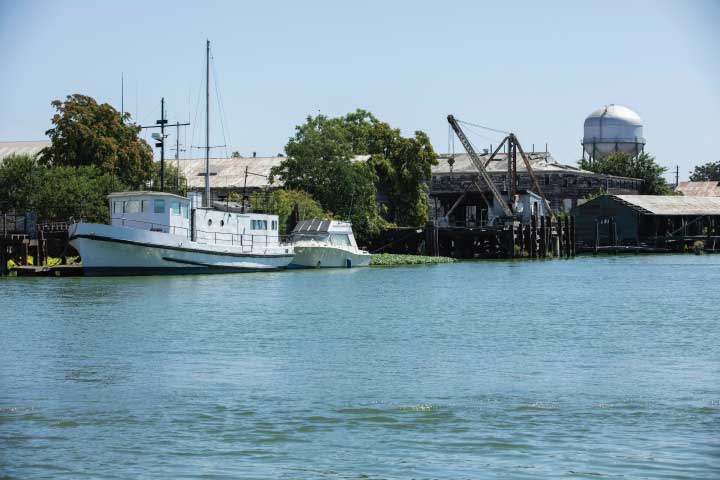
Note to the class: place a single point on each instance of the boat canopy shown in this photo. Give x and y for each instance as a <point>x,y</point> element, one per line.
<point>313,225</point>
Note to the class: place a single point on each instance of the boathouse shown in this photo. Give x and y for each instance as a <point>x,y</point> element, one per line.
<point>670,222</point>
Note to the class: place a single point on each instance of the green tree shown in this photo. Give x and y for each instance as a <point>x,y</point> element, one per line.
<point>87,133</point>
<point>174,179</point>
<point>642,166</point>
<point>66,192</point>
<point>281,202</point>
<point>19,181</point>
<point>320,161</point>
<point>710,172</point>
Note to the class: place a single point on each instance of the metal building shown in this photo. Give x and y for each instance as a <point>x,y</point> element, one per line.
<point>654,221</point>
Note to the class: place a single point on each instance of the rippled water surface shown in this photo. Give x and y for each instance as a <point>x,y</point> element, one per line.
<point>592,368</point>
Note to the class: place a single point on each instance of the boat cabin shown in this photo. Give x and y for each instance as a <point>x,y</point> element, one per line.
<point>322,230</point>
<point>154,211</point>
<point>173,214</point>
<point>232,227</point>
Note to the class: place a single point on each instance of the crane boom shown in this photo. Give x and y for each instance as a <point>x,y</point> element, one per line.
<point>479,165</point>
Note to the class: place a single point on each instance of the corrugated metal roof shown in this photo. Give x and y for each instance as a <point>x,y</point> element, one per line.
<point>230,172</point>
<point>672,204</point>
<point>540,162</point>
<point>22,148</point>
<point>699,189</point>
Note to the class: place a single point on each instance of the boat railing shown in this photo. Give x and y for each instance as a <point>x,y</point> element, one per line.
<point>246,241</point>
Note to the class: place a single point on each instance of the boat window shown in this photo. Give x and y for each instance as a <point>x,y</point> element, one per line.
<point>118,206</point>
<point>258,224</point>
<point>132,206</point>
<point>146,206</point>
<point>209,222</point>
<point>159,206</point>
<point>340,239</point>
<point>222,223</point>
<point>274,224</point>
<point>175,208</point>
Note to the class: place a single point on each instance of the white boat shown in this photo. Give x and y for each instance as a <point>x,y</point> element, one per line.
<point>321,243</point>
<point>160,233</point>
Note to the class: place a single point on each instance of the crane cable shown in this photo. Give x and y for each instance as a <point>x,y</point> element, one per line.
<point>483,127</point>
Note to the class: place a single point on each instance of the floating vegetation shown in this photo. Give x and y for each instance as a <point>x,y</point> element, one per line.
<point>389,260</point>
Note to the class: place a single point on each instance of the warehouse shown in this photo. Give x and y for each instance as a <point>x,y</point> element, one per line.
<point>648,221</point>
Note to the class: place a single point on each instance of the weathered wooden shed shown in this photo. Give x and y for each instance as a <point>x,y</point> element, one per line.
<point>647,220</point>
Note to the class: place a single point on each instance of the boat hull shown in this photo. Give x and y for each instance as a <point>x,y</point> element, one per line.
<point>113,250</point>
<point>328,257</point>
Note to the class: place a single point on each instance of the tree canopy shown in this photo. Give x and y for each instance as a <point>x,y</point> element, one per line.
<point>282,202</point>
<point>710,172</point>
<point>642,166</point>
<point>86,133</point>
<point>56,193</point>
<point>19,180</point>
<point>322,160</point>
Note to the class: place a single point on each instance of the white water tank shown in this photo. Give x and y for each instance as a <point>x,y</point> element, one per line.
<point>613,128</point>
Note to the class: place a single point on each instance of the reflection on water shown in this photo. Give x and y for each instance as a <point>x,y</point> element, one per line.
<point>598,367</point>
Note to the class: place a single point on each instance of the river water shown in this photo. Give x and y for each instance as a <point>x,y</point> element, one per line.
<point>586,368</point>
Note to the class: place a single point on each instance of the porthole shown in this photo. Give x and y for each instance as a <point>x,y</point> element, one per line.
<point>209,222</point>
<point>222,223</point>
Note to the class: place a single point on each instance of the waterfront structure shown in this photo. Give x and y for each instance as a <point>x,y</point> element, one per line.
<point>699,189</point>
<point>611,129</point>
<point>671,222</point>
<point>323,243</point>
<point>454,179</point>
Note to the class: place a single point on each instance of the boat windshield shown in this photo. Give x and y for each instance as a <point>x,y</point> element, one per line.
<point>317,237</point>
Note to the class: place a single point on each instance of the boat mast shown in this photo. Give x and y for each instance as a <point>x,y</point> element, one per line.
<point>208,202</point>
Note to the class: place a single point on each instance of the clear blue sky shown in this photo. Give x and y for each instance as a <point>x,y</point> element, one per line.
<point>536,68</point>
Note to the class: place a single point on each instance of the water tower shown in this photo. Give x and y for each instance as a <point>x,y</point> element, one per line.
<point>610,129</point>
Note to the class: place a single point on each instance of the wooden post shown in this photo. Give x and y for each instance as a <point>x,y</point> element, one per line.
<point>533,237</point>
<point>429,239</point>
<point>572,236</point>
<point>597,235</point>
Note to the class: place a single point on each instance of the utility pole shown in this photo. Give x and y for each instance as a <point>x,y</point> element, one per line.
<point>162,123</point>
<point>122,97</point>
<point>677,175</point>
<point>208,202</point>
<point>160,140</point>
<point>177,154</point>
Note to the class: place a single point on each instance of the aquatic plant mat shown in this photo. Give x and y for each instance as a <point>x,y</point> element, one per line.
<point>389,260</point>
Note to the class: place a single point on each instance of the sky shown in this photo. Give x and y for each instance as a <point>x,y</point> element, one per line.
<point>534,68</point>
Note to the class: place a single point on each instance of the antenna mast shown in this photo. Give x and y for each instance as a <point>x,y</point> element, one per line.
<point>208,201</point>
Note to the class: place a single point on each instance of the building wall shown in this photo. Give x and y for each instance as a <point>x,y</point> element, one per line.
<point>595,215</point>
<point>564,190</point>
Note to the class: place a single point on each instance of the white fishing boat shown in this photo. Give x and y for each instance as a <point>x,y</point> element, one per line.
<point>160,233</point>
<point>321,243</point>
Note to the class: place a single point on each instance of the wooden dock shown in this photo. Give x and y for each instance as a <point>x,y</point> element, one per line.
<point>55,271</point>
